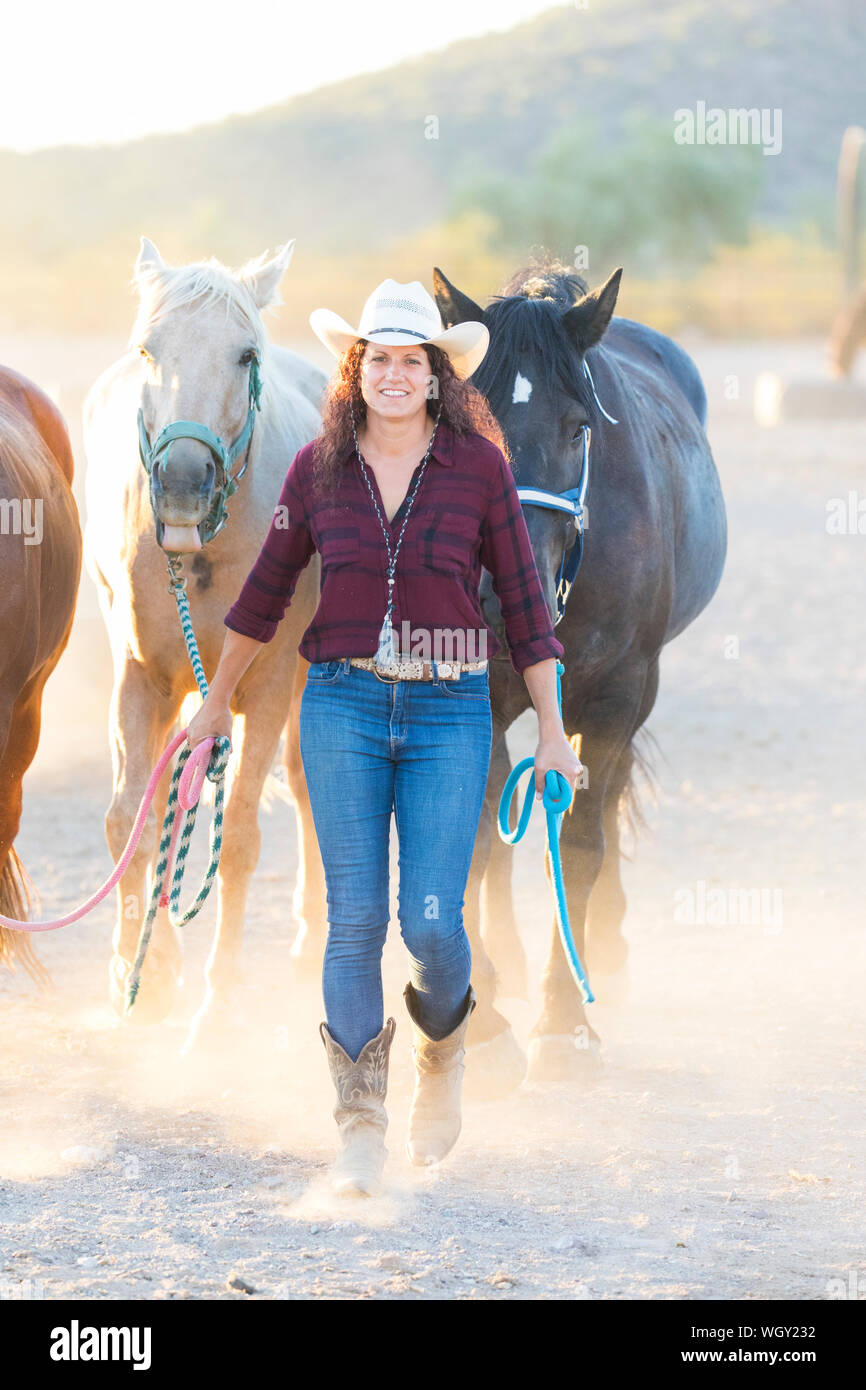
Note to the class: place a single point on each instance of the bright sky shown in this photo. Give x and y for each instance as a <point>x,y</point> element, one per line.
<point>88,71</point>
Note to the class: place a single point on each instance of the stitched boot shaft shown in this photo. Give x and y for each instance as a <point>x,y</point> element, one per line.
<point>361,1087</point>
<point>435,1119</point>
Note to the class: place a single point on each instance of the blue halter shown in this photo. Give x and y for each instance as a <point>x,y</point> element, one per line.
<point>570,501</point>
<point>152,455</point>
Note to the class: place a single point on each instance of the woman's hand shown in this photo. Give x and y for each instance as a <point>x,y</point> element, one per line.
<point>213,719</point>
<point>557,754</point>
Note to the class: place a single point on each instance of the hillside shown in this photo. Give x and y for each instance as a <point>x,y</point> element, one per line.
<point>348,169</point>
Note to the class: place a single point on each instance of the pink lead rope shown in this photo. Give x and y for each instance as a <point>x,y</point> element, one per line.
<point>188,793</point>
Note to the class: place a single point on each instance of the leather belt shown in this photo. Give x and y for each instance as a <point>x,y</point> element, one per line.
<point>407,669</point>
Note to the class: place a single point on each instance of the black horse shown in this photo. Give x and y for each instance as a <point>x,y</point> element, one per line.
<point>654,550</point>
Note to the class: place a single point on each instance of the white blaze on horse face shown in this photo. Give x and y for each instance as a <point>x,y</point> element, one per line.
<point>522,390</point>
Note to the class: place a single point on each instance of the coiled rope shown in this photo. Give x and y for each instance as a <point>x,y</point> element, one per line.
<point>208,759</point>
<point>556,800</point>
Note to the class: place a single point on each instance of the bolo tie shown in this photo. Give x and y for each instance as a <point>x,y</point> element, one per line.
<point>386,655</point>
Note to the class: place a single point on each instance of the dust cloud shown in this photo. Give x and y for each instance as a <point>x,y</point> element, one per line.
<point>721,1152</point>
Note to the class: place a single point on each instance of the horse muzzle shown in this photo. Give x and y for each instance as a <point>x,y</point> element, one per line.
<point>171,513</point>
<point>178,538</point>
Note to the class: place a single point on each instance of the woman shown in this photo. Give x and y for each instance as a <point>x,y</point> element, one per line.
<point>406,494</point>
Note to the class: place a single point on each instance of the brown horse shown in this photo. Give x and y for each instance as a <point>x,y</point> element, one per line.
<point>40,566</point>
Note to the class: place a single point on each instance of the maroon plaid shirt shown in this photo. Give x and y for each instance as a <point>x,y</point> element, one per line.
<point>466,514</point>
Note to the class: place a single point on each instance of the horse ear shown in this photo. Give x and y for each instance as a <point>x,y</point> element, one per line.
<point>262,277</point>
<point>149,258</point>
<point>454,306</point>
<point>586,323</point>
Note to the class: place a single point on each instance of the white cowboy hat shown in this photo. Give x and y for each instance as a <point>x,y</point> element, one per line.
<point>398,315</point>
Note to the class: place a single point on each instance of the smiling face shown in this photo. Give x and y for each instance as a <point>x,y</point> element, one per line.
<point>394,380</point>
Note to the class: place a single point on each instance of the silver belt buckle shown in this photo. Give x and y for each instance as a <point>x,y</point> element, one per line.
<point>449,669</point>
<point>383,676</point>
<point>412,669</point>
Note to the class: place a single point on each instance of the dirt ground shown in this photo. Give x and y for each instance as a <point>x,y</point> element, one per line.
<point>720,1155</point>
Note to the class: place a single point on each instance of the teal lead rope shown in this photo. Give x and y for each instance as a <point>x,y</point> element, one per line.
<point>215,773</point>
<point>556,800</point>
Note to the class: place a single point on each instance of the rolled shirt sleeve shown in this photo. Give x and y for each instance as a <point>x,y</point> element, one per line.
<point>287,548</point>
<point>506,551</point>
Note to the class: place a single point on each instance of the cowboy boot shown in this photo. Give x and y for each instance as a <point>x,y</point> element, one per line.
<point>360,1111</point>
<point>434,1119</point>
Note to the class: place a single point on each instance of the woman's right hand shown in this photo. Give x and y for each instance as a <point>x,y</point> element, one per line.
<point>213,719</point>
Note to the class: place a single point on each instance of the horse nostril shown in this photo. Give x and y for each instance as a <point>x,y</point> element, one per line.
<point>207,483</point>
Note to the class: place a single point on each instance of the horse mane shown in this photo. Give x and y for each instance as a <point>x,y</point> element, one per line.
<point>165,289</point>
<point>526,316</point>
<point>546,278</point>
<point>25,458</point>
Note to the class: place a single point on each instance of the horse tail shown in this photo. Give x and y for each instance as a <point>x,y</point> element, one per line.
<point>642,780</point>
<point>17,895</point>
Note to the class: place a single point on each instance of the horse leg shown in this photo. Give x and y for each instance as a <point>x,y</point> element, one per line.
<point>260,717</point>
<point>501,937</point>
<point>19,739</point>
<point>495,1063</point>
<point>140,720</point>
<point>563,1045</point>
<point>607,948</point>
<point>309,902</point>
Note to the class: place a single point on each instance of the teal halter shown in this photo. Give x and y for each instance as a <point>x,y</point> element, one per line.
<point>152,455</point>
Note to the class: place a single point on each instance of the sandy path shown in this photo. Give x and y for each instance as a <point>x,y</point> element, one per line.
<point>722,1153</point>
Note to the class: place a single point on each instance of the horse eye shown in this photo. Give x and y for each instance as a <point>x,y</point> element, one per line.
<point>578,434</point>
<point>248,356</point>
<point>143,352</point>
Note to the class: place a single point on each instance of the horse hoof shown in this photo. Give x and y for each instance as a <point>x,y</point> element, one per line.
<point>494,1068</point>
<point>612,989</point>
<point>218,1023</point>
<point>157,990</point>
<point>555,1058</point>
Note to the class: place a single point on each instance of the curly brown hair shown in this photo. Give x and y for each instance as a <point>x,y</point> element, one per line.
<point>462,407</point>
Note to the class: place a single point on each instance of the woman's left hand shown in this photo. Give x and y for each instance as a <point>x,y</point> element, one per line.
<point>558,755</point>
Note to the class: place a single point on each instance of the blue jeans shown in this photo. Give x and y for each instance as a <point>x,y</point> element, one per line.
<point>422,749</point>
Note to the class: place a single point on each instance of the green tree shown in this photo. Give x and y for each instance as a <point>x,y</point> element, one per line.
<point>646,200</point>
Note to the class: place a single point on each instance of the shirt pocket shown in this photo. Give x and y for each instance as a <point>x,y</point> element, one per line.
<point>339,540</point>
<point>447,540</point>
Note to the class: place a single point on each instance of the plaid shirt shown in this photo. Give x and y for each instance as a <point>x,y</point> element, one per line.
<point>466,514</point>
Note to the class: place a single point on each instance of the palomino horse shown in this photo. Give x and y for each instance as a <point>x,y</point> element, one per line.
<point>654,554</point>
<point>197,353</point>
<point>40,566</point>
